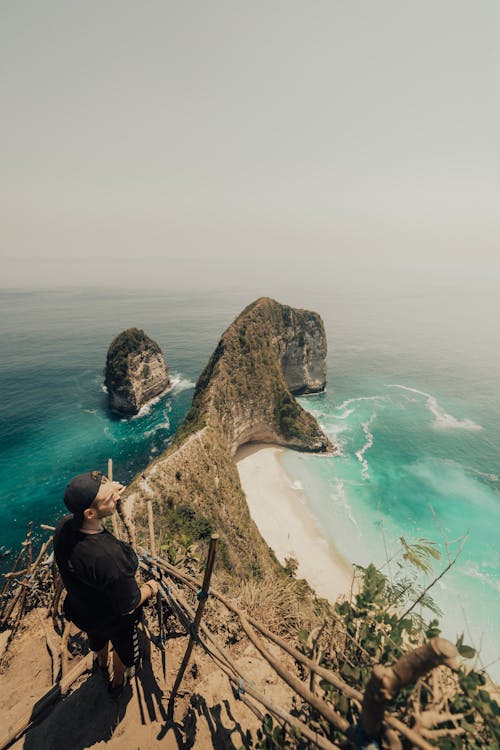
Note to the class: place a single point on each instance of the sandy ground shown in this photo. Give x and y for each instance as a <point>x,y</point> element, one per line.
<point>207,713</point>
<point>285,522</point>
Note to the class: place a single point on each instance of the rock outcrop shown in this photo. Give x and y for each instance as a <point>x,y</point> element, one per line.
<point>135,371</point>
<point>243,395</point>
<point>270,352</point>
<point>303,351</point>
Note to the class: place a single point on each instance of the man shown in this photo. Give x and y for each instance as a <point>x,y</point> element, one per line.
<point>98,571</point>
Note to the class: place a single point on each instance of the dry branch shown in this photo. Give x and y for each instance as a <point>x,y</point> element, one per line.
<point>331,677</point>
<point>386,682</point>
<point>243,686</point>
<point>54,651</point>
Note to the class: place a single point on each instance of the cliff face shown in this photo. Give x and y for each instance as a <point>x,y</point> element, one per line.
<point>135,371</point>
<point>303,351</point>
<point>243,395</point>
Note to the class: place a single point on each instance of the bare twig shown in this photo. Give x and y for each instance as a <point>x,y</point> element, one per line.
<point>54,651</point>
<point>433,583</point>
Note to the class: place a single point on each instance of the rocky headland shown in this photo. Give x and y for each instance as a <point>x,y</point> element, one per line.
<point>135,371</point>
<point>262,627</point>
<point>244,395</point>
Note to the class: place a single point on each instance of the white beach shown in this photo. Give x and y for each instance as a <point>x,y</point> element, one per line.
<point>285,522</point>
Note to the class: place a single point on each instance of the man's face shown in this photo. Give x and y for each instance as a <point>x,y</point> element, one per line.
<point>107,497</point>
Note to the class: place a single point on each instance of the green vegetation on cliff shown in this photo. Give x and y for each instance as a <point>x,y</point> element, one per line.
<point>450,710</point>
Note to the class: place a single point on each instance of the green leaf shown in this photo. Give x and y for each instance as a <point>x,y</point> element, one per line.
<point>432,631</point>
<point>353,673</point>
<point>466,651</point>
<point>419,552</point>
<point>267,723</point>
<point>278,735</point>
<point>303,637</point>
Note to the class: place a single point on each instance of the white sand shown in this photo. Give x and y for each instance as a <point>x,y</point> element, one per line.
<point>286,523</point>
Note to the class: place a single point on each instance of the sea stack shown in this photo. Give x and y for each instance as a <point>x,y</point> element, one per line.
<point>270,353</point>
<point>135,371</point>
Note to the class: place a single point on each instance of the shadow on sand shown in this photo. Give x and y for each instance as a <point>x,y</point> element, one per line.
<point>89,715</point>
<point>86,716</point>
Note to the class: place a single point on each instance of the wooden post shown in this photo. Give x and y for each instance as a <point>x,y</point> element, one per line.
<point>19,558</point>
<point>6,606</point>
<point>152,544</point>
<point>116,531</point>
<point>203,595</point>
<point>386,682</point>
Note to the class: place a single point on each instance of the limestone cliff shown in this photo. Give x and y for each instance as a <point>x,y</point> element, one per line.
<point>135,371</point>
<point>243,395</point>
<point>245,392</point>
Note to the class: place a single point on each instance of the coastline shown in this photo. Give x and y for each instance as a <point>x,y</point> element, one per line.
<point>285,522</point>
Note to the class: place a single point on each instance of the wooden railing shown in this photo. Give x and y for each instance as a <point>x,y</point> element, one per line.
<point>384,683</point>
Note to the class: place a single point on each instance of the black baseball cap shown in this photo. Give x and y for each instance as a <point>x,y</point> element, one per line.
<point>82,490</point>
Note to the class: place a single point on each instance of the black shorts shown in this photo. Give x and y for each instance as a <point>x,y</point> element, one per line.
<point>122,634</point>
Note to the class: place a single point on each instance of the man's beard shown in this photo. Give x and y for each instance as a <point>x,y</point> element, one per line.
<point>105,513</point>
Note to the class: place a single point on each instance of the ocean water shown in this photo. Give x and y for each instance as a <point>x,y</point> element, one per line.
<point>412,400</point>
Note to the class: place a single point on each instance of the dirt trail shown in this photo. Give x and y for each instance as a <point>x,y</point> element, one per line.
<point>207,713</point>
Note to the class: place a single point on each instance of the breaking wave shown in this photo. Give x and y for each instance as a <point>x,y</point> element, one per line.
<point>360,398</point>
<point>369,442</point>
<point>341,498</point>
<point>180,383</point>
<point>473,571</point>
<point>161,426</point>
<point>345,414</point>
<point>442,420</point>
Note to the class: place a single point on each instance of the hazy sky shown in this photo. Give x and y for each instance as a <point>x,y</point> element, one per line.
<point>158,142</point>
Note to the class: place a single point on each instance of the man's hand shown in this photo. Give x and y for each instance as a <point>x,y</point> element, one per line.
<point>153,585</point>
<point>148,590</point>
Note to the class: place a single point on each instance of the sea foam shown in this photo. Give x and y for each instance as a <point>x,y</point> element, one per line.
<point>147,407</point>
<point>369,442</point>
<point>162,426</point>
<point>345,414</point>
<point>361,398</point>
<point>340,497</point>
<point>442,420</point>
<point>179,383</point>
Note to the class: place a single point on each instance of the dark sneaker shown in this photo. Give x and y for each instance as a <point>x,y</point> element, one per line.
<point>116,691</point>
<point>101,671</point>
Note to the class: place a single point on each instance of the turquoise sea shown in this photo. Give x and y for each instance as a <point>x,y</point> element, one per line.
<point>412,400</point>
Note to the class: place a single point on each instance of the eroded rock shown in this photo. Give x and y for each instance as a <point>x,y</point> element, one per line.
<point>135,371</point>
